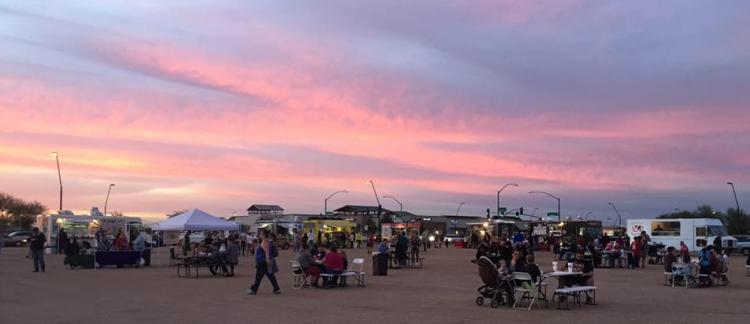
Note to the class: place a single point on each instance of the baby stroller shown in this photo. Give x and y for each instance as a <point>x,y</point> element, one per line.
<point>656,253</point>
<point>496,287</point>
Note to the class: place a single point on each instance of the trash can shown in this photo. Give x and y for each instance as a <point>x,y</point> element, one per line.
<point>380,264</point>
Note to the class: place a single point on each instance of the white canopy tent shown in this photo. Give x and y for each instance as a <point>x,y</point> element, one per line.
<point>196,220</point>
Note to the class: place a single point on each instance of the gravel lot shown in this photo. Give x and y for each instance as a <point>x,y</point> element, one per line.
<point>441,292</point>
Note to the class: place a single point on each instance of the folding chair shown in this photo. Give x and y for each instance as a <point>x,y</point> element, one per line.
<point>527,287</point>
<point>300,278</point>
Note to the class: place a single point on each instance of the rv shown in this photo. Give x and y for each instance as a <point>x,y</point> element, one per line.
<point>689,230</point>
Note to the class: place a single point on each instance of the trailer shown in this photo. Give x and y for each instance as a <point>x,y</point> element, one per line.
<point>671,232</point>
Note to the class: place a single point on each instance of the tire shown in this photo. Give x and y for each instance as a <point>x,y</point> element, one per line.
<point>19,244</point>
<point>480,301</point>
<point>495,303</point>
<point>745,251</point>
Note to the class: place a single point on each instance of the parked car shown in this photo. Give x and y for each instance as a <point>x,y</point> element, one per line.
<point>18,238</point>
<point>743,244</point>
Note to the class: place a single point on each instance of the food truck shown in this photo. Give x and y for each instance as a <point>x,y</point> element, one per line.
<point>569,230</point>
<point>689,230</point>
<point>85,227</point>
<point>326,229</point>
<point>389,230</point>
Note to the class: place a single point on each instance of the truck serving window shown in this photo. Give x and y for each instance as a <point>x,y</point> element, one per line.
<point>665,228</point>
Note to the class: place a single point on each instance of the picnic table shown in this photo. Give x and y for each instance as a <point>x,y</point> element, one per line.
<point>187,262</point>
<point>567,290</point>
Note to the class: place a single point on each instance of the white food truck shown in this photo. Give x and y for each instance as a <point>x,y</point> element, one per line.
<point>689,230</point>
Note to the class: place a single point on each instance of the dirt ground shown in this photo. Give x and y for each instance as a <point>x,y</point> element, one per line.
<point>443,291</point>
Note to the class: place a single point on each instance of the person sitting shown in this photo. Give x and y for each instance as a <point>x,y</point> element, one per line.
<point>482,250</point>
<point>308,265</point>
<point>532,268</point>
<point>585,268</point>
<point>73,248</point>
<point>121,242</point>
<point>517,263</point>
<point>502,268</point>
<point>670,259</point>
<point>383,246</point>
<point>87,249</point>
<point>334,264</point>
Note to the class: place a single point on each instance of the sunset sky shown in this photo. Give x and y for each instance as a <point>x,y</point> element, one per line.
<point>223,104</point>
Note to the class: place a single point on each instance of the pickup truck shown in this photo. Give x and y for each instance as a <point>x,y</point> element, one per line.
<point>743,244</point>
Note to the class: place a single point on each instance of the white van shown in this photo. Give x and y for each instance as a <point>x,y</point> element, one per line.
<point>689,230</point>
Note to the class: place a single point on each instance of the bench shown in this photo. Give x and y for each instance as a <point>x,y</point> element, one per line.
<point>575,293</point>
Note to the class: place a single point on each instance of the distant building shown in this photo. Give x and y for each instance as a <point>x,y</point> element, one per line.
<point>360,214</point>
<point>265,211</point>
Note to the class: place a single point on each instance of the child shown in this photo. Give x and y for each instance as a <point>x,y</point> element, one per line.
<point>532,268</point>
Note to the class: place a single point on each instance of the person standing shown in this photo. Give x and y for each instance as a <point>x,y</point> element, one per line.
<point>684,252</point>
<point>62,241</point>
<point>635,249</point>
<point>36,245</point>
<point>243,243</point>
<point>645,240</point>
<point>265,264</point>
<point>186,242</point>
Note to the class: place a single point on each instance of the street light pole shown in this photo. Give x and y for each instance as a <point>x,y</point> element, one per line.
<point>619,217</point>
<point>553,197</point>
<point>59,177</point>
<point>380,207</point>
<point>459,207</point>
<point>325,201</point>
<point>735,197</point>
<point>107,200</point>
<point>498,196</point>
<point>400,205</point>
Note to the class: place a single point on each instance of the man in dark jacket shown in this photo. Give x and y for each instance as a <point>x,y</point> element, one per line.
<point>36,245</point>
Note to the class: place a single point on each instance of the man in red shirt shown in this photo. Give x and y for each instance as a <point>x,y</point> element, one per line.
<point>334,264</point>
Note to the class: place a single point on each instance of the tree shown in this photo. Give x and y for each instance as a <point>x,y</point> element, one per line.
<point>703,211</point>
<point>737,222</point>
<point>16,213</point>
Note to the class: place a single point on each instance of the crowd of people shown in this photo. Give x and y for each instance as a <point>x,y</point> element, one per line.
<point>515,254</point>
<point>712,264</point>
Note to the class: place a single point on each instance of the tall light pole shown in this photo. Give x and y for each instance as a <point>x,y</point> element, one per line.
<point>735,197</point>
<point>380,207</point>
<point>59,177</point>
<point>551,196</point>
<point>325,201</point>
<point>400,205</point>
<point>459,207</point>
<point>619,217</point>
<point>498,196</point>
<point>107,200</point>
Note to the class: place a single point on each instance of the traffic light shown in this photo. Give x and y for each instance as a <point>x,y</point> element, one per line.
<point>488,213</point>
<point>520,210</point>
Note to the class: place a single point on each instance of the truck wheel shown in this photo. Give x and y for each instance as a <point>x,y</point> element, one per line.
<point>745,251</point>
